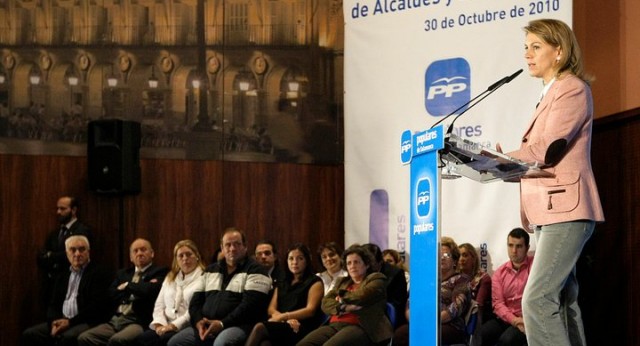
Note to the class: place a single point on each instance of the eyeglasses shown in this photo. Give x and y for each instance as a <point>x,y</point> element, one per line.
<point>445,256</point>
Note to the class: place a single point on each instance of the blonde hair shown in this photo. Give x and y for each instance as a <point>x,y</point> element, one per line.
<point>558,34</point>
<point>175,267</point>
<point>453,247</point>
<point>471,250</point>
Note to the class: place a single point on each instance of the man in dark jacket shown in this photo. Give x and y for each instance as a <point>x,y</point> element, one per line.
<point>79,301</point>
<point>134,291</point>
<point>52,260</point>
<point>231,299</point>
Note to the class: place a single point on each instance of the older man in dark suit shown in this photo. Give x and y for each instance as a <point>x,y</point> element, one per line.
<point>79,301</point>
<point>134,291</point>
<point>52,260</point>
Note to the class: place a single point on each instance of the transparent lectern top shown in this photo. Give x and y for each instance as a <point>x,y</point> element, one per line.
<point>483,164</point>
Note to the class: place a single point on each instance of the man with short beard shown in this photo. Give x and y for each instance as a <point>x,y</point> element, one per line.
<point>53,259</point>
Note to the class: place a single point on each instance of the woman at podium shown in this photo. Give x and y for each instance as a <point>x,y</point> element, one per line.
<point>561,210</point>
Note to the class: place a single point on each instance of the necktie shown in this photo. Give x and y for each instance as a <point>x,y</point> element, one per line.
<point>62,236</point>
<point>127,308</point>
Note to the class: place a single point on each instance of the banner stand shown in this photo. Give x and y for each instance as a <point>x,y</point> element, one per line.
<point>420,151</point>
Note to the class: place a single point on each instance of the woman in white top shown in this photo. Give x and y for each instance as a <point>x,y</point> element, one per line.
<point>331,257</point>
<point>171,311</point>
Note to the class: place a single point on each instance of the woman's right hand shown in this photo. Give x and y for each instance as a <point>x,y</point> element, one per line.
<point>352,307</point>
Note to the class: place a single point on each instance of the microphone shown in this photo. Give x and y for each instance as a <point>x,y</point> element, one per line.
<point>488,92</point>
<point>504,81</point>
<point>493,87</point>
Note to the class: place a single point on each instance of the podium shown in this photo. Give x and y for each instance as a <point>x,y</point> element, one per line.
<point>428,153</point>
<point>483,164</point>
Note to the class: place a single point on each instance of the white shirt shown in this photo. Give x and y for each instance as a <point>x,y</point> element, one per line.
<point>70,304</point>
<point>546,88</point>
<point>330,281</point>
<point>172,304</point>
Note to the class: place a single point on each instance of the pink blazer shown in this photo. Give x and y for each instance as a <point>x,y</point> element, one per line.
<point>558,138</point>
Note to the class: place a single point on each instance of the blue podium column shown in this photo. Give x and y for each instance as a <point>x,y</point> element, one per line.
<point>420,151</point>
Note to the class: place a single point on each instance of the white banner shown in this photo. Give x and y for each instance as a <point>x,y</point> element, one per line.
<point>394,52</point>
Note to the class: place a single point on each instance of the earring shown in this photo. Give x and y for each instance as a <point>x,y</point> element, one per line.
<point>558,58</point>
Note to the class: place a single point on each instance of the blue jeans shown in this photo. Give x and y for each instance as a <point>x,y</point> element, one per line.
<point>550,301</point>
<point>231,336</point>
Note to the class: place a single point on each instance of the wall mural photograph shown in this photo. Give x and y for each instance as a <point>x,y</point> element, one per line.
<point>239,80</point>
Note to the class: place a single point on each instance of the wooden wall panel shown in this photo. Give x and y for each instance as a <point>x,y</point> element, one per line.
<point>610,275</point>
<point>179,199</point>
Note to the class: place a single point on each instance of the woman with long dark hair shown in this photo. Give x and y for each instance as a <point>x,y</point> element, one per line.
<point>294,310</point>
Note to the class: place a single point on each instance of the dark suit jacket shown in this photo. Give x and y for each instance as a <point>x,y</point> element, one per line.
<point>53,259</point>
<point>144,292</point>
<point>92,299</point>
<point>396,290</point>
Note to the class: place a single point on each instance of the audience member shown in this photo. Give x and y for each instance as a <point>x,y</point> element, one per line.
<point>469,264</point>
<point>401,334</point>
<point>455,296</point>
<point>218,255</point>
<point>330,255</point>
<point>267,256</point>
<point>396,282</point>
<point>53,258</point>
<point>393,257</point>
<point>171,311</point>
<point>296,302</point>
<point>508,284</point>
<point>134,291</point>
<point>230,298</point>
<point>356,306</point>
<point>79,301</point>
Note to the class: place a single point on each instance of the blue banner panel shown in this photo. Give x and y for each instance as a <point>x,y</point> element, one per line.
<point>424,235</point>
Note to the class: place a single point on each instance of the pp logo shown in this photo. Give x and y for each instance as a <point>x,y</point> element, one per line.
<point>423,197</point>
<point>447,85</point>
<point>406,147</point>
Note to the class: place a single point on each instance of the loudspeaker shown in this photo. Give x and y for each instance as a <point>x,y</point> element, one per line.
<point>113,155</point>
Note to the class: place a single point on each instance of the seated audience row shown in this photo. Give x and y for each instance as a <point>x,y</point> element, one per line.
<point>499,298</point>
<point>242,299</point>
<point>232,301</point>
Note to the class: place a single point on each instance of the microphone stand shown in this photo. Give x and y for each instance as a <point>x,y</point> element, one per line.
<point>474,101</point>
<point>493,87</point>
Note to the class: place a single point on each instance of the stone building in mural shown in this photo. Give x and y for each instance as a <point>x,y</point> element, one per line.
<point>244,80</point>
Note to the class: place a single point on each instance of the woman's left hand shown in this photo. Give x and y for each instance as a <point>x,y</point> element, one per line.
<point>294,324</point>
<point>164,329</point>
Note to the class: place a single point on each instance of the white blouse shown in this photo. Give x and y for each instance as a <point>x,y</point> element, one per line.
<point>330,281</point>
<point>172,305</point>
